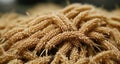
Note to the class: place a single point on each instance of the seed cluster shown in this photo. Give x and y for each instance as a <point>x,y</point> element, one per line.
<point>77,34</point>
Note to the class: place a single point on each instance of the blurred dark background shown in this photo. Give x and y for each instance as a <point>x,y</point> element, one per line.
<point>21,5</point>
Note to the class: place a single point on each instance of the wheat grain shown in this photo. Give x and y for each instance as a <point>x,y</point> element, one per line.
<point>74,55</point>
<point>101,38</point>
<point>12,32</point>
<point>59,22</point>
<point>109,45</point>
<point>2,51</point>
<point>37,27</point>
<point>41,33</point>
<point>91,51</point>
<point>68,35</point>
<point>89,25</point>
<point>6,58</point>
<point>93,15</point>
<point>83,52</point>
<point>109,61</point>
<point>82,61</point>
<point>40,19</point>
<point>76,42</point>
<point>104,54</point>
<point>47,37</point>
<point>116,18</point>
<point>55,19</point>
<point>113,23</point>
<point>63,50</point>
<point>95,35</point>
<point>29,55</point>
<point>15,61</point>
<point>104,30</point>
<point>40,60</point>
<point>69,8</point>
<point>30,42</point>
<point>77,34</point>
<point>77,10</point>
<point>25,33</point>
<point>68,23</point>
<point>116,35</point>
<point>78,19</point>
<point>64,59</point>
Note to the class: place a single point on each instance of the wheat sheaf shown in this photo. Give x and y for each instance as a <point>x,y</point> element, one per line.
<point>77,34</point>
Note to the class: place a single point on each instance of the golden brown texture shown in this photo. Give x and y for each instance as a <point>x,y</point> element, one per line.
<point>77,34</point>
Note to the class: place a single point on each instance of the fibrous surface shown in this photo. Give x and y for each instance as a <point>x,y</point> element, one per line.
<point>77,34</point>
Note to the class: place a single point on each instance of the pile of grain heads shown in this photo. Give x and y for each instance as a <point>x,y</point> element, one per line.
<point>76,34</point>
